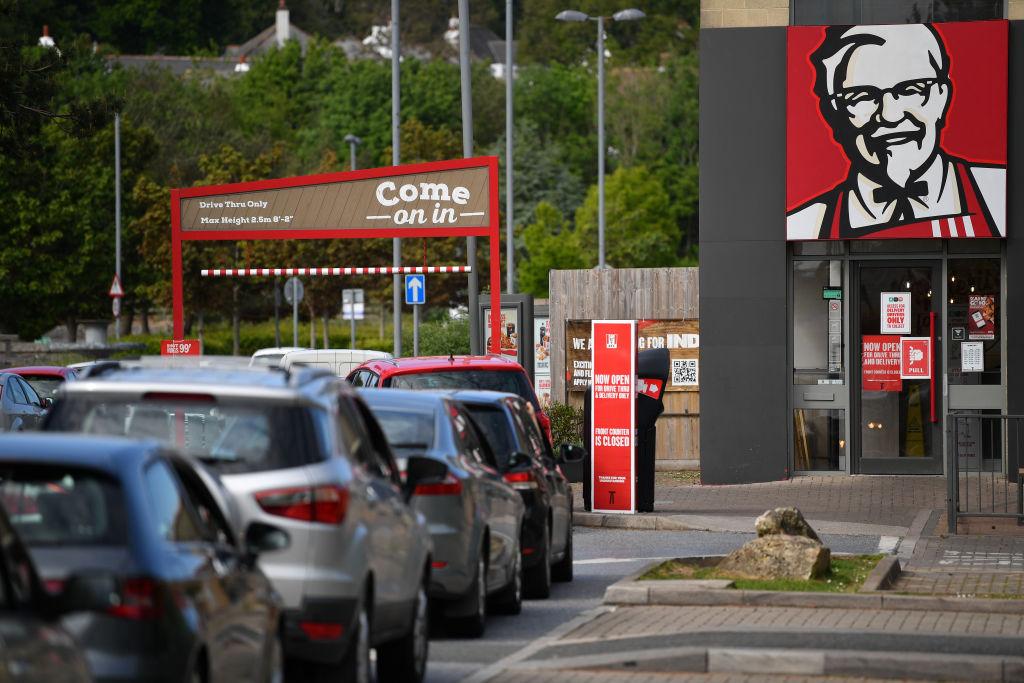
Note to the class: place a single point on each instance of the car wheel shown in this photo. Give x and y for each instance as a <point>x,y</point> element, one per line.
<point>473,625</point>
<point>405,659</point>
<point>355,666</point>
<point>562,570</point>
<point>510,599</point>
<point>537,579</point>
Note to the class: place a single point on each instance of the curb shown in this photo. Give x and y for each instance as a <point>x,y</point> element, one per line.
<point>904,665</point>
<point>883,576</point>
<point>644,522</point>
<point>670,592</point>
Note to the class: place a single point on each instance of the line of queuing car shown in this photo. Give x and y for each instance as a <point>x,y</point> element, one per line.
<point>228,523</point>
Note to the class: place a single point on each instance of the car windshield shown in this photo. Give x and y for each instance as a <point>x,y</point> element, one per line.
<point>271,359</point>
<point>406,430</point>
<point>63,506</point>
<point>232,438</point>
<point>508,381</point>
<point>45,385</point>
<point>494,423</point>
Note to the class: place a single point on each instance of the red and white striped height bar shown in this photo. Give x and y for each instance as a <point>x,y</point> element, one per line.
<point>383,270</point>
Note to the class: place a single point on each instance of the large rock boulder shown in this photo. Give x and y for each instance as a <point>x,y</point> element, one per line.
<point>778,556</point>
<point>788,521</point>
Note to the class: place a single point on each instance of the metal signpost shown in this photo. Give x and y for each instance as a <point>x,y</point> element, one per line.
<point>293,293</point>
<point>116,293</point>
<point>352,309</point>
<point>415,296</point>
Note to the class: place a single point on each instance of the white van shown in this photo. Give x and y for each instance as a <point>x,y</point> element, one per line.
<point>338,361</point>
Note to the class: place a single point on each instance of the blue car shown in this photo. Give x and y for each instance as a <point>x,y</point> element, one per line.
<point>169,590</point>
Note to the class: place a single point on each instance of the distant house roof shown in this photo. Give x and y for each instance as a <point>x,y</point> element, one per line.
<point>265,40</point>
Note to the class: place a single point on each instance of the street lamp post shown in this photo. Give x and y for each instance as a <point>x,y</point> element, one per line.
<point>621,15</point>
<point>353,142</point>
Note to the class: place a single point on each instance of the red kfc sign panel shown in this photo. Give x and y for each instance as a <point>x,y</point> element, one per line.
<point>896,131</point>
<point>612,414</point>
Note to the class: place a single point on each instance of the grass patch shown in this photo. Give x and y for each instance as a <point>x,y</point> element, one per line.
<point>682,476</point>
<point>846,576</point>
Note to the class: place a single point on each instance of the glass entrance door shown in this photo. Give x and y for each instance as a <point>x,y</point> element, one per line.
<point>897,316</point>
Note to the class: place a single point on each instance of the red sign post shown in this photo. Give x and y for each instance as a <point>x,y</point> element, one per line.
<point>613,415</point>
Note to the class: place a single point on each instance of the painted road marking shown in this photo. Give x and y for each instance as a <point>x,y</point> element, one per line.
<point>887,544</point>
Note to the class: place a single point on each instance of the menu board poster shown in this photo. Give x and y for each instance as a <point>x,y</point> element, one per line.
<point>541,347</point>
<point>981,317</point>
<point>509,332</point>
<point>680,337</point>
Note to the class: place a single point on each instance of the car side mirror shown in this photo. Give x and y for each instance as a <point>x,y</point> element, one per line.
<point>263,538</point>
<point>519,461</point>
<point>48,402</point>
<point>87,592</point>
<point>567,452</point>
<point>419,470</point>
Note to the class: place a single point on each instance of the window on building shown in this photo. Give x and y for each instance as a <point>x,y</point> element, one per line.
<point>821,12</point>
<point>817,330</point>
<point>974,353</point>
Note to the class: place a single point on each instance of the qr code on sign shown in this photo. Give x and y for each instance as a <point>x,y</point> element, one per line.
<point>684,372</point>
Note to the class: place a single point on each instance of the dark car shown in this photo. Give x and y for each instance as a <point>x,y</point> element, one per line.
<point>45,379</point>
<point>35,646</point>
<point>474,517</point>
<point>20,405</point>
<point>527,463</point>
<point>177,593</point>
<point>490,373</point>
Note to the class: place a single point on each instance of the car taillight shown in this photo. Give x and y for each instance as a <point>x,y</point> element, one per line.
<point>136,599</point>
<point>545,423</point>
<point>449,487</point>
<point>321,630</point>
<point>323,504</point>
<point>521,480</point>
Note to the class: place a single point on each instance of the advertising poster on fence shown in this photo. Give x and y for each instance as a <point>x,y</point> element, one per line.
<point>680,337</point>
<point>880,362</point>
<point>612,415</point>
<point>542,360</point>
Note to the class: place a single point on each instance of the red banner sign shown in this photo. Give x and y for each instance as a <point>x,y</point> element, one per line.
<point>612,415</point>
<point>180,347</point>
<point>915,358</point>
<point>880,362</point>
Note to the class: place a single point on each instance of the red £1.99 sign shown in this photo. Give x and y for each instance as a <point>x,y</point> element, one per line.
<point>612,415</point>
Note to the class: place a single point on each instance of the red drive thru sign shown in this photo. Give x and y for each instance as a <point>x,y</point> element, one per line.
<point>180,347</point>
<point>915,358</point>
<point>880,362</point>
<point>612,415</point>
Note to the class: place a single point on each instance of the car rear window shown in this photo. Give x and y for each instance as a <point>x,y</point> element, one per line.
<point>406,430</point>
<point>231,438</point>
<point>507,381</point>
<point>494,423</point>
<point>63,506</point>
<point>45,385</point>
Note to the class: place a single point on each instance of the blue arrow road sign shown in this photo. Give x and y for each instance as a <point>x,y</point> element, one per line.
<point>415,289</point>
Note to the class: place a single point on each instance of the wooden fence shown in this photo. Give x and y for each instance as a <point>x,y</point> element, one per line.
<point>637,294</point>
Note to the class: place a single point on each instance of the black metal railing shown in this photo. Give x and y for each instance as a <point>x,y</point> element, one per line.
<point>984,460</point>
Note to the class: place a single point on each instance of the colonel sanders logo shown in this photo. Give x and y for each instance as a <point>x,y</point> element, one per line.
<point>886,92</point>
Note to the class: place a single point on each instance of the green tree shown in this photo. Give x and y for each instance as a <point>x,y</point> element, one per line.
<point>640,231</point>
<point>550,244</point>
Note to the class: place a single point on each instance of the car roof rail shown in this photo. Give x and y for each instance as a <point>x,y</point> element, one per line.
<point>100,368</point>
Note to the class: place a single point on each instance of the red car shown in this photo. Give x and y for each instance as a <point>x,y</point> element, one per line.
<point>490,373</point>
<point>45,379</point>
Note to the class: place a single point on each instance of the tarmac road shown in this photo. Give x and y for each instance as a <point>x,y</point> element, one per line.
<point>603,556</point>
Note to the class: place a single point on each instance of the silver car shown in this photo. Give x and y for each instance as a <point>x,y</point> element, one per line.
<point>301,451</point>
<point>475,517</point>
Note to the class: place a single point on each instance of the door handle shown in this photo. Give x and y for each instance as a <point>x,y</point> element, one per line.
<point>931,346</point>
